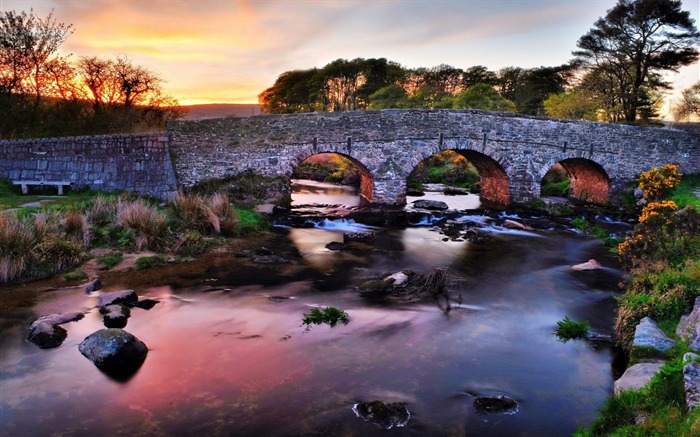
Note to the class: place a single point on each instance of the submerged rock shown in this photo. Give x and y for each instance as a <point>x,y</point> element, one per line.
<point>383,415</point>
<point>591,264</point>
<point>433,205</point>
<point>46,336</point>
<point>495,405</point>
<point>335,245</point>
<point>362,237</point>
<point>512,224</point>
<point>689,327</point>
<point>114,348</point>
<point>145,304</point>
<point>637,376</point>
<point>649,341</point>
<point>270,259</point>
<point>123,296</point>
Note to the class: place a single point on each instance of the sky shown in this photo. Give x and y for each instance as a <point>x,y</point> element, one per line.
<point>229,51</point>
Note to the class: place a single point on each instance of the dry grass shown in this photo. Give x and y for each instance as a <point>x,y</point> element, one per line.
<point>17,238</point>
<point>77,228</point>
<point>148,225</point>
<point>103,211</point>
<point>205,214</point>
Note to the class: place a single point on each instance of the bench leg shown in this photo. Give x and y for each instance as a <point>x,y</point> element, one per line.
<point>25,189</point>
<point>60,190</point>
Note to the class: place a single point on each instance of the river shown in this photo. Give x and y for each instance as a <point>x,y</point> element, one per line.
<point>228,354</point>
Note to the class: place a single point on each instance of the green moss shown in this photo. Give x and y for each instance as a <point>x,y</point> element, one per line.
<point>75,276</point>
<point>375,286</point>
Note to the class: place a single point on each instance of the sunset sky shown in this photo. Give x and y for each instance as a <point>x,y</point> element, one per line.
<point>228,51</point>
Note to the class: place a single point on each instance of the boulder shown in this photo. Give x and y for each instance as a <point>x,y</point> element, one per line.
<point>455,191</point>
<point>362,237</point>
<point>114,348</point>
<point>146,304</point>
<point>691,380</point>
<point>637,376</point>
<point>591,264</point>
<point>433,205</point>
<point>384,415</point>
<point>512,224</point>
<point>115,316</point>
<point>495,405</point>
<point>123,297</point>
<point>46,335</point>
<point>649,341</point>
<point>56,319</point>
<point>689,327</point>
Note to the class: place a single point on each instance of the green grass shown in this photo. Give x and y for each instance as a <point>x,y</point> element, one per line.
<point>151,261</point>
<point>661,402</point>
<point>250,221</point>
<point>77,275</point>
<point>110,260</point>
<point>11,197</point>
<point>330,316</point>
<point>683,194</point>
<point>568,329</point>
<point>558,189</point>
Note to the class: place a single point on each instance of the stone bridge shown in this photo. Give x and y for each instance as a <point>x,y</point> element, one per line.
<point>511,152</point>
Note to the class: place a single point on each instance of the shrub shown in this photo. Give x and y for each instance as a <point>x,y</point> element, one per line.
<point>57,254</point>
<point>658,213</point>
<point>568,329</point>
<point>192,243</point>
<point>17,238</point>
<point>76,227</point>
<point>330,315</point>
<point>46,224</point>
<point>147,225</point>
<point>77,275</point>
<point>656,182</point>
<point>102,211</point>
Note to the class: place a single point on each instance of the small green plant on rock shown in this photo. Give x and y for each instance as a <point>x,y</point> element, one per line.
<point>330,316</point>
<point>568,329</point>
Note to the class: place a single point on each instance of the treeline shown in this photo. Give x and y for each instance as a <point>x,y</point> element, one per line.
<point>358,84</point>
<point>44,94</point>
<point>615,75</point>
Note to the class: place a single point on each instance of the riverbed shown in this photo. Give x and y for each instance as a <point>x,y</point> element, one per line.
<point>229,355</point>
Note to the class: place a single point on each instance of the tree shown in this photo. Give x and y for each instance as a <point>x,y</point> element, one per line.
<point>574,105</point>
<point>483,96</point>
<point>688,108</point>
<point>637,41</point>
<point>391,96</point>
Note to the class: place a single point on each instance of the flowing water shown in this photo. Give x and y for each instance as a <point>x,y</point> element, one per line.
<point>229,356</point>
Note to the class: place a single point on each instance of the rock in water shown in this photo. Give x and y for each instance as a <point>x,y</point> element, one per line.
<point>512,224</point>
<point>590,265</point>
<point>114,349</point>
<point>362,237</point>
<point>93,285</point>
<point>495,405</point>
<point>335,245</point>
<point>57,319</point>
<point>47,336</point>
<point>382,414</point>
<point>125,297</point>
<point>433,205</point>
<point>115,316</point>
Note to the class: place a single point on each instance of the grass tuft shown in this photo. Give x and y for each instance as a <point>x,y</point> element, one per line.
<point>568,329</point>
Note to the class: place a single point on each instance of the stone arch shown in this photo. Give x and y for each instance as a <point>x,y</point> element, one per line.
<point>495,186</point>
<point>366,178</point>
<point>588,180</point>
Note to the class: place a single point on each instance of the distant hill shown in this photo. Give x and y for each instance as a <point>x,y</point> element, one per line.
<point>220,110</point>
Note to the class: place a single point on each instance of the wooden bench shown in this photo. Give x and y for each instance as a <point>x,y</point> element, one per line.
<point>25,185</point>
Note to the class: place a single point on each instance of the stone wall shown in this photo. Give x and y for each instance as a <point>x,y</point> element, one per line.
<point>135,162</point>
<point>390,143</point>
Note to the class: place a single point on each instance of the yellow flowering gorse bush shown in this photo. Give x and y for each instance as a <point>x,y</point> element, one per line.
<point>655,182</point>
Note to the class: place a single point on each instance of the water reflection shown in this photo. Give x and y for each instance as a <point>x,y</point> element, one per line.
<point>308,192</point>
<point>235,360</point>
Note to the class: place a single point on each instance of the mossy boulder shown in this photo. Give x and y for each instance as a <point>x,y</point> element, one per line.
<point>114,349</point>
